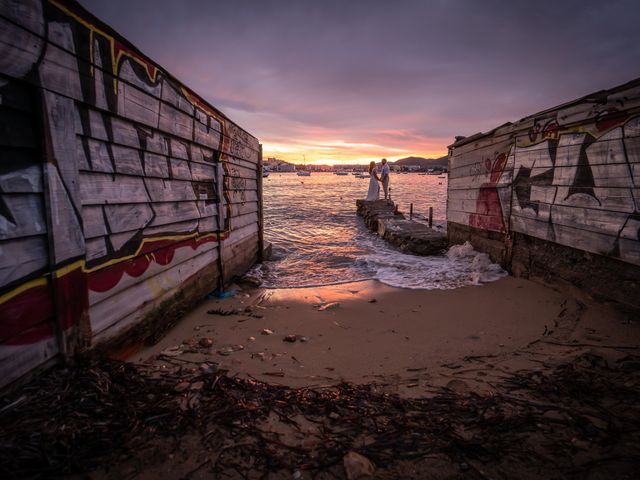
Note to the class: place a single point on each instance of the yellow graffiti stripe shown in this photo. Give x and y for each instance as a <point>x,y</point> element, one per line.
<point>115,59</point>
<point>62,271</point>
<point>41,281</point>
<point>588,128</point>
<point>149,240</point>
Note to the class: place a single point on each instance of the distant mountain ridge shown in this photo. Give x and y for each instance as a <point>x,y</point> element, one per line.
<point>423,162</point>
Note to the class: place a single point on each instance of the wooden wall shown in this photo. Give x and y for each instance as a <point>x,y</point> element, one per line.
<point>569,175</point>
<point>118,184</point>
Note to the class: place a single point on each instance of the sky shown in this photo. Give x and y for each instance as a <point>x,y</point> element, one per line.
<point>355,80</point>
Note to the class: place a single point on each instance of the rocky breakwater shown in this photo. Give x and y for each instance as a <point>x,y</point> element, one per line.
<point>382,217</point>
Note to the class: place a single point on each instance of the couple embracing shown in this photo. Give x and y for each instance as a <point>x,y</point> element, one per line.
<point>374,188</point>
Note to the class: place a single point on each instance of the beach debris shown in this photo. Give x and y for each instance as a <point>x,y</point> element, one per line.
<point>337,324</point>
<point>205,342</point>
<point>103,408</point>
<point>458,386</point>
<point>251,339</point>
<point>328,306</point>
<point>172,351</point>
<point>266,331</point>
<point>208,368</point>
<point>303,339</point>
<point>297,475</point>
<point>259,355</point>
<point>182,386</point>
<point>229,349</point>
<point>222,312</point>
<point>290,338</point>
<point>373,300</point>
<point>357,466</point>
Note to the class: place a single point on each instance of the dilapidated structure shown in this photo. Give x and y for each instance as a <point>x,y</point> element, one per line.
<point>557,194</point>
<point>121,189</point>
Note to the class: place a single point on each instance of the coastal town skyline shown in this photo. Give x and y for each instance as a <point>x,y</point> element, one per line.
<point>336,83</point>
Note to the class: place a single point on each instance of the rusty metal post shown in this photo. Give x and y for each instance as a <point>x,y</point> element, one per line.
<point>411,211</point>
<point>430,217</point>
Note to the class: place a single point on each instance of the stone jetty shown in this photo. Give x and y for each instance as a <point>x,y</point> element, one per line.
<point>383,217</point>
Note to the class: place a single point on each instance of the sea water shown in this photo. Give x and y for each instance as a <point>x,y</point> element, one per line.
<point>318,239</point>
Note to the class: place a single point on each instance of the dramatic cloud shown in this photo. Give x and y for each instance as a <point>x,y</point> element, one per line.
<point>345,80</point>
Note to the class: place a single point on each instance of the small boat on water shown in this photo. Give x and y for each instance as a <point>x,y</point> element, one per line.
<point>341,172</point>
<point>362,175</point>
<point>265,174</point>
<point>303,173</point>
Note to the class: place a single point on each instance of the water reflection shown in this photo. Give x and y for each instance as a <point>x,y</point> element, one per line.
<point>317,237</point>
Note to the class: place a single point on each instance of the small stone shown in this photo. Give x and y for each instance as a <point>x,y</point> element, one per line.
<point>266,331</point>
<point>373,300</point>
<point>251,339</point>
<point>328,306</point>
<point>206,368</point>
<point>197,328</point>
<point>171,352</point>
<point>205,342</point>
<point>290,338</point>
<point>229,349</point>
<point>304,339</point>
<point>464,466</point>
<point>357,466</point>
<point>458,386</point>
<point>196,386</point>
<point>297,475</point>
<point>181,387</point>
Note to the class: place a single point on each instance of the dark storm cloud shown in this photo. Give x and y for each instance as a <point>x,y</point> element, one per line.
<point>373,71</point>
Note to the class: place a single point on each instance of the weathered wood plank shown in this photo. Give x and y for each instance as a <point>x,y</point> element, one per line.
<point>238,209</point>
<point>22,179</point>
<point>175,122</point>
<point>127,160</point>
<point>21,256</point>
<point>180,169</point>
<point>24,216</point>
<point>156,165</point>
<point>169,190</point>
<point>128,217</point>
<point>67,237</point>
<point>171,212</point>
<point>140,297</point>
<point>99,189</point>
<point>93,221</point>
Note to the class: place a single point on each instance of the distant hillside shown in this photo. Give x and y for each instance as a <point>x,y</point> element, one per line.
<point>422,162</point>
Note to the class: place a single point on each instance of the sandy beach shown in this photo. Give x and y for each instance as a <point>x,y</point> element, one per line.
<point>406,339</point>
<point>510,379</point>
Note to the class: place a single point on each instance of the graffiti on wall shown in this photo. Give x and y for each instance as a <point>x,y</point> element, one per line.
<point>573,178</point>
<point>136,169</point>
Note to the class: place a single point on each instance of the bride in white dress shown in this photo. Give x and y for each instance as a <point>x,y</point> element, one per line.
<point>374,187</point>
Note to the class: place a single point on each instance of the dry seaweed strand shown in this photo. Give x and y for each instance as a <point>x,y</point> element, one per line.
<point>75,420</point>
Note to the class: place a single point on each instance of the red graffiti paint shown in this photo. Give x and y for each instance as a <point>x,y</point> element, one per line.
<point>27,317</point>
<point>160,252</point>
<point>488,215</point>
<point>610,118</point>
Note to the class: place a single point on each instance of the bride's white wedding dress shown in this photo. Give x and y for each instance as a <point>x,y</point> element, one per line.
<point>374,188</point>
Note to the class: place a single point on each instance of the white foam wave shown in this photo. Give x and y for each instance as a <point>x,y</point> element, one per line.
<point>461,266</point>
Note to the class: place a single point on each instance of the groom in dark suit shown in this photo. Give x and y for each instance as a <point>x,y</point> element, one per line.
<point>384,177</point>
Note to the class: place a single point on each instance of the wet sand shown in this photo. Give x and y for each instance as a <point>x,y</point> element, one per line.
<point>368,332</point>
